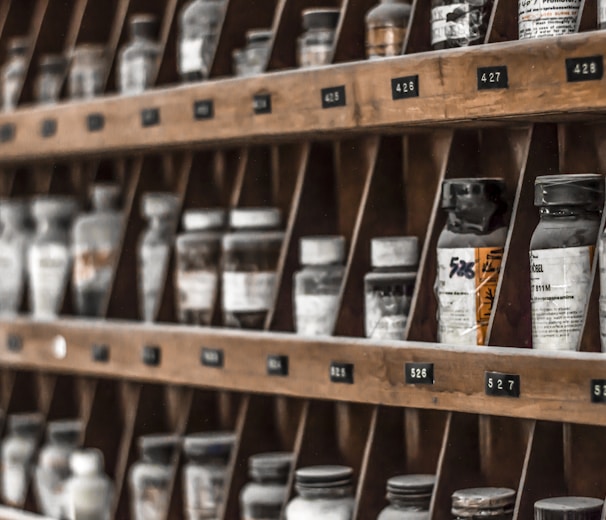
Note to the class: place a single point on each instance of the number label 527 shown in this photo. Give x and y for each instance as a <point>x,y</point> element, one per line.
<point>502,385</point>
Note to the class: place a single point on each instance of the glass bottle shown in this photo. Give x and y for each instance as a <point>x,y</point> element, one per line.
<point>138,59</point>
<point>386,28</point>
<point>199,26</point>
<point>250,259</point>
<point>325,493</point>
<point>50,256</point>
<point>87,72</point>
<point>315,45</point>
<point>53,469</point>
<point>469,255</point>
<point>160,209</point>
<point>547,18</point>
<point>204,475</point>
<point>96,238</point>
<point>253,58</point>
<point>150,478</point>
<point>13,72</point>
<point>264,497</point>
<point>561,256</point>
<point>389,286</point>
<point>89,492</point>
<point>317,287</point>
<point>198,262</point>
<point>49,82</point>
<point>568,508</point>
<point>602,14</point>
<point>409,497</point>
<point>489,502</point>
<point>18,455</point>
<point>14,243</point>
<point>459,23</point>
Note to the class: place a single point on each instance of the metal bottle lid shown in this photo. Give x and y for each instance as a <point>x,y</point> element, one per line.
<point>415,490</point>
<point>489,501</point>
<point>394,252</point>
<point>255,218</point>
<point>64,432</point>
<point>323,477</point>
<point>320,18</point>
<point>86,462</point>
<point>159,204</point>
<point>144,25</point>
<point>89,51</point>
<point>209,444</point>
<point>204,219</point>
<point>106,196</point>
<point>26,424</point>
<point>568,508</point>
<point>256,36</point>
<point>270,466</point>
<point>322,250</point>
<point>54,207</point>
<point>455,190</point>
<point>586,189</point>
<point>159,448</point>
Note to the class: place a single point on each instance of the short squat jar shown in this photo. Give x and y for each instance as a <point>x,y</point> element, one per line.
<point>252,59</point>
<point>547,19</point>
<point>481,503</point>
<point>409,497</point>
<point>264,497</point>
<point>250,258</point>
<point>469,255</point>
<point>459,23</point>
<point>87,72</point>
<point>13,72</point>
<point>568,508</point>
<point>561,253</point>
<point>198,264</point>
<point>51,75</point>
<point>386,28</point>
<point>388,288</point>
<point>316,44</point>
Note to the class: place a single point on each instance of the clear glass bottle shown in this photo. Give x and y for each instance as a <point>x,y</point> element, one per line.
<point>469,255</point>
<point>601,14</point>
<point>15,238</point>
<point>386,28</point>
<point>51,75</point>
<point>480,503</point>
<point>568,508</point>
<point>50,258</point>
<point>96,238</point>
<point>138,59</point>
<point>150,478</point>
<point>547,19</point>
<point>459,23</point>
<point>89,492</point>
<point>253,58</point>
<point>161,210</point>
<point>561,255</point>
<point>204,475</point>
<point>198,263</point>
<point>316,44</point>
<point>250,259</point>
<point>87,72</point>
<point>264,497</point>
<point>53,469</point>
<point>13,72</point>
<point>199,26</point>
<point>18,456</point>
<point>317,287</point>
<point>389,286</point>
<point>325,493</point>
<point>409,497</point>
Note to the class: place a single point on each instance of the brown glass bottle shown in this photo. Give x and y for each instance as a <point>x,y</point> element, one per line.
<point>459,23</point>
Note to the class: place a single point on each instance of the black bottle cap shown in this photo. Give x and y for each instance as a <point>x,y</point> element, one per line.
<point>414,490</point>
<point>53,63</point>
<point>570,190</point>
<point>258,36</point>
<point>568,508</point>
<point>455,190</point>
<point>324,477</point>
<point>320,18</point>
<point>271,466</point>
<point>144,25</point>
<point>159,448</point>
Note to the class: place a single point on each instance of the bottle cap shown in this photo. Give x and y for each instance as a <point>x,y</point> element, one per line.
<point>274,466</point>
<point>570,190</point>
<point>322,250</point>
<point>159,448</point>
<point>255,218</point>
<point>415,490</point>
<point>320,18</point>
<point>455,190</point>
<point>389,13</point>
<point>86,462</point>
<point>159,204</point>
<point>144,25</point>
<point>204,219</point>
<point>315,477</point>
<point>394,252</point>
<point>256,36</point>
<point>18,46</point>
<point>54,207</point>
<point>64,432</point>
<point>467,503</point>
<point>14,210</point>
<point>53,63</point>
<point>106,197</point>
<point>89,51</point>
<point>26,424</point>
<point>209,444</point>
<point>568,508</point>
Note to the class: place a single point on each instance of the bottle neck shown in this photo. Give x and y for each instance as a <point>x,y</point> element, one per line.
<point>163,224</point>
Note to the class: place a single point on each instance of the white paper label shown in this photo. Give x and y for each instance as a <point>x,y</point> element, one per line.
<point>560,282</point>
<point>450,22</point>
<point>191,56</point>
<point>316,314</point>
<point>204,489</point>
<point>601,11</point>
<point>49,266</point>
<point>11,277</point>
<point>154,264</point>
<point>543,18</point>
<point>248,292</point>
<point>196,289</point>
<point>136,74</point>
<point>14,483</point>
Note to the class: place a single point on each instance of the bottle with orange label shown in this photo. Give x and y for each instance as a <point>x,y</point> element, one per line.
<point>469,254</point>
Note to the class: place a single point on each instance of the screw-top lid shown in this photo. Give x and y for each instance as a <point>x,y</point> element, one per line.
<point>159,204</point>
<point>54,207</point>
<point>454,190</point>
<point>86,462</point>
<point>144,25</point>
<point>53,63</point>
<point>570,190</point>
<point>394,252</point>
<point>320,18</point>
<point>490,501</point>
<point>256,36</point>
<point>26,424</point>
<point>568,508</point>
<point>159,448</point>
<point>64,432</point>
<point>14,211</point>
<point>89,51</point>
<point>255,218</point>
<point>322,250</point>
<point>106,197</point>
<point>18,46</point>
<point>209,444</point>
<point>204,219</point>
<point>314,477</point>
<point>414,490</point>
<point>270,466</point>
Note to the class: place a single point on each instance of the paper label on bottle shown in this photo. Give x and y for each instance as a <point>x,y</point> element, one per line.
<point>190,53</point>
<point>49,266</point>
<point>385,315</point>
<point>316,314</point>
<point>11,276</point>
<point>248,292</point>
<point>197,289</point>
<point>154,262</point>
<point>385,41</point>
<point>136,75</point>
<point>453,22</point>
<point>14,482</point>
<point>93,268</point>
<point>542,18</point>
<point>466,287</point>
<point>204,489</point>
<point>560,283</point>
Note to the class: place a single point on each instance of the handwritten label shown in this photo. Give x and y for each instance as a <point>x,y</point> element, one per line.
<point>95,122</point>
<point>277,366</point>
<point>204,109</point>
<point>100,353</point>
<point>7,132</point>
<point>490,78</point>
<point>342,373</point>
<point>262,104</point>
<point>404,88</point>
<point>48,128</point>
<point>419,373</point>
<point>502,385</point>
<point>333,97</point>
<point>151,356</point>
<point>150,117</point>
<point>14,343</point>
<point>598,390</point>
<point>590,68</point>
<point>211,357</point>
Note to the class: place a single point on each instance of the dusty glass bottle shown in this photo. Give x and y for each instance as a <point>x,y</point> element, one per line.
<point>568,508</point>
<point>138,59</point>
<point>204,475</point>
<point>315,45</point>
<point>409,497</point>
<point>547,19</point>
<point>161,211</point>
<point>263,498</point>
<point>252,59</point>
<point>96,238</point>
<point>199,25</point>
<point>317,286</point>
<point>18,455</point>
<point>53,469</point>
<point>198,263</point>
<point>386,28</point>
<point>561,256</point>
<point>250,258</point>
<point>469,255</point>
<point>50,256</point>
<point>388,288</point>
<point>89,492</point>
<point>459,23</point>
<point>14,244</point>
<point>87,71</point>
<point>13,72</point>
<point>51,75</point>
<point>480,503</point>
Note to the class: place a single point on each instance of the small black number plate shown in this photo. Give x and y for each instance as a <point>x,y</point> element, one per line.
<point>277,366</point>
<point>95,122</point>
<point>598,390</point>
<point>211,357</point>
<point>262,104</point>
<point>584,69</point>
<point>14,343</point>
<point>150,117</point>
<point>7,132</point>
<point>490,78</point>
<point>419,373</point>
<point>204,109</point>
<point>502,385</point>
<point>406,87</point>
<point>333,97</point>
<point>48,128</point>
<point>152,356</point>
<point>342,373</point>
<point>100,353</point>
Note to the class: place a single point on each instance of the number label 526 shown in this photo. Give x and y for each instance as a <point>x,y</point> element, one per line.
<point>461,268</point>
